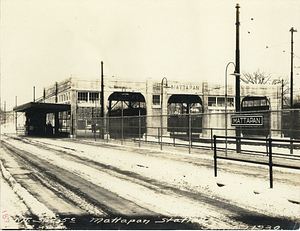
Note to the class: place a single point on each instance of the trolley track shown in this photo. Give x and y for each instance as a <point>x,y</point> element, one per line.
<point>110,203</point>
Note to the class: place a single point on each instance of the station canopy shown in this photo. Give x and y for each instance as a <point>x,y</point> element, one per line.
<point>184,98</point>
<point>42,107</point>
<point>127,96</point>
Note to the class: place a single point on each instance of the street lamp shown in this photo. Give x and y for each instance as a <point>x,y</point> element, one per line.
<point>235,74</point>
<point>161,111</point>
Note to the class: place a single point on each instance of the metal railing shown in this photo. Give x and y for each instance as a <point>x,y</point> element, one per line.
<point>188,131</point>
<point>269,142</point>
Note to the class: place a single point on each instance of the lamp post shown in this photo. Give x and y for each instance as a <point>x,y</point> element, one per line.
<point>161,111</point>
<point>235,74</point>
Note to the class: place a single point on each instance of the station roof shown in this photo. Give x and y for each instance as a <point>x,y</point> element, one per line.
<point>43,107</point>
<point>184,98</point>
<point>126,96</point>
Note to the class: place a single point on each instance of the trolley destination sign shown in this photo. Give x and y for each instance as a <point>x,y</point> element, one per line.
<point>241,120</point>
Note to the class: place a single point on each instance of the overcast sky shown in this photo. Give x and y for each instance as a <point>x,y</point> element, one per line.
<point>44,41</point>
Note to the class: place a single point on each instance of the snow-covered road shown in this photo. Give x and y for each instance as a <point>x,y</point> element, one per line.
<point>175,184</point>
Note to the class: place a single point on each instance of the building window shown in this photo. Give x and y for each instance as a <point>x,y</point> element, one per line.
<point>221,102</point>
<point>83,96</point>
<point>94,96</point>
<point>156,99</point>
<point>212,101</point>
<point>230,102</point>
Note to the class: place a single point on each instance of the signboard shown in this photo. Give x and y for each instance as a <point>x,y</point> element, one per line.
<point>240,120</point>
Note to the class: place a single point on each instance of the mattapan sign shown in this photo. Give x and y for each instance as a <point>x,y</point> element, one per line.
<point>246,120</point>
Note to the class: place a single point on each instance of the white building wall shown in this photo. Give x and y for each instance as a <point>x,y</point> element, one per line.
<point>69,88</point>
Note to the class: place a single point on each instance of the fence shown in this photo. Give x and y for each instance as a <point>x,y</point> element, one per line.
<point>270,143</point>
<point>194,130</point>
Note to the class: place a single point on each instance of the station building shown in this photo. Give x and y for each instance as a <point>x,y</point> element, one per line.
<point>83,96</point>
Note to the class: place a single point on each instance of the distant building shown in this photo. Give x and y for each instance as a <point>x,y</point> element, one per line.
<point>84,97</point>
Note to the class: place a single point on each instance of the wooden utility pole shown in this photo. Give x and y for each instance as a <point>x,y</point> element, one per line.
<point>292,30</point>
<point>237,77</point>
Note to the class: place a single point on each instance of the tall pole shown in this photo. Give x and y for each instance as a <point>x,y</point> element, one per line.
<point>44,95</point>
<point>33,93</point>
<point>237,61</point>
<point>292,30</point>
<point>237,77</point>
<point>102,91</point>
<point>102,102</point>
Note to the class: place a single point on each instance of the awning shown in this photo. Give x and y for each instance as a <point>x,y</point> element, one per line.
<point>184,98</point>
<point>127,96</point>
<point>42,107</point>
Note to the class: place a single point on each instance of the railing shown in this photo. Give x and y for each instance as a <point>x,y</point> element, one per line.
<point>148,129</point>
<point>269,152</point>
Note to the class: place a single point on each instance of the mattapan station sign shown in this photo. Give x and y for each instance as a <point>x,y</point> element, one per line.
<point>246,120</point>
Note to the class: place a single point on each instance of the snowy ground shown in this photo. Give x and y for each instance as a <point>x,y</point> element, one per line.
<point>281,201</point>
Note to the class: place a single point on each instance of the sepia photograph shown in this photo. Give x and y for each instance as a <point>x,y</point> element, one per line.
<point>150,115</point>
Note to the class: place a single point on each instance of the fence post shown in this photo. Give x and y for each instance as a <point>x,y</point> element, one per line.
<point>211,138</point>
<point>215,155</point>
<point>158,135</point>
<point>270,163</point>
<point>95,129</point>
<point>173,135</point>
<point>161,130</point>
<point>146,132</point>
<point>107,128</point>
<point>85,129</point>
<point>101,128</point>
<point>122,126</point>
<point>190,133</point>
<point>139,128</point>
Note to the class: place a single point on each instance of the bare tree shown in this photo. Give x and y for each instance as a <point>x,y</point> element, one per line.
<point>257,77</point>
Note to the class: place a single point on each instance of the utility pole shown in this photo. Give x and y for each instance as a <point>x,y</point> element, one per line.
<point>237,62</point>
<point>282,94</point>
<point>33,93</point>
<point>102,103</point>
<point>237,77</point>
<point>102,91</point>
<point>292,30</point>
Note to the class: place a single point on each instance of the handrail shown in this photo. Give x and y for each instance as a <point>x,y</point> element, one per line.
<point>269,152</point>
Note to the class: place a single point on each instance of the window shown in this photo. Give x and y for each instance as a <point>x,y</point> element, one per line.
<point>212,101</point>
<point>263,102</point>
<point>82,96</point>
<point>256,103</point>
<point>156,99</point>
<point>230,102</point>
<point>221,102</point>
<point>94,96</point>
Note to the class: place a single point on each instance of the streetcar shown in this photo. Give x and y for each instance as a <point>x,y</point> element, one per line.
<point>127,115</point>
<point>180,108</point>
<point>256,106</point>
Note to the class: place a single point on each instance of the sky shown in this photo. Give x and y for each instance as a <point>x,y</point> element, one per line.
<point>47,41</point>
